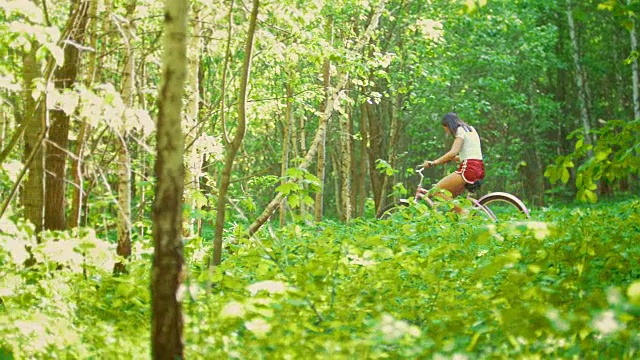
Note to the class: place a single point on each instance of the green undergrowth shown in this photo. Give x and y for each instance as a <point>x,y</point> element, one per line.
<point>564,284</point>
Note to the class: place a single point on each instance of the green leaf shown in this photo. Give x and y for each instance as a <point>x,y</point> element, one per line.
<point>608,5</point>
<point>591,196</point>
<point>288,188</point>
<point>633,292</point>
<point>565,176</point>
<point>602,155</point>
<point>551,169</point>
<point>295,173</point>
<point>294,200</point>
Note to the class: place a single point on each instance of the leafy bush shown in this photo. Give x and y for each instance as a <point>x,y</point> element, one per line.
<point>60,299</point>
<point>615,156</point>
<point>414,286</point>
<point>430,286</point>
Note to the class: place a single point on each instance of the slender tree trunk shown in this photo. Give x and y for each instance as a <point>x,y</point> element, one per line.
<point>77,166</point>
<point>362,175</point>
<point>395,127</point>
<point>321,168</point>
<point>85,129</point>
<point>634,65</point>
<point>354,165</point>
<point>4,126</point>
<point>386,149</point>
<point>194,152</point>
<point>168,261</point>
<point>15,138</point>
<point>302,136</point>
<point>4,133</point>
<point>236,142</point>
<point>56,155</point>
<point>345,167</point>
<point>320,173</point>
<point>33,194</point>
<point>580,76</point>
<point>124,159</point>
<point>561,82</point>
<point>78,177</point>
<point>375,144</point>
<point>337,184</point>
<point>286,146</point>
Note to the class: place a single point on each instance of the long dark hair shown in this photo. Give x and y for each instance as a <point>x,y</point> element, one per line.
<point>452,121</point>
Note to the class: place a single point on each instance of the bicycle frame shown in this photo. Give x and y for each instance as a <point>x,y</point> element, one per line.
<point>487,203</point>
<point>423,194</point>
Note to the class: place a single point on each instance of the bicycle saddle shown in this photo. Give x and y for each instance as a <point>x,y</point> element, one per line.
<point>474,187</point>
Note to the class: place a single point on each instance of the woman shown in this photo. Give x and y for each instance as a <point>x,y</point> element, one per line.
<point>466,149</point>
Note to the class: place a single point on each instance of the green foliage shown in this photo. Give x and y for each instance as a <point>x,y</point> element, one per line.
<point>59,297</point>
<point>298,185</point>
<point>414,286</point>
<point>22,25</point>
<point>615,156</point>
<point>385,168</point>
<point>417,287</point>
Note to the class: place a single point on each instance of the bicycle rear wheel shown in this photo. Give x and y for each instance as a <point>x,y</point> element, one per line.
<point>504,206</point>
<point>392,209</point>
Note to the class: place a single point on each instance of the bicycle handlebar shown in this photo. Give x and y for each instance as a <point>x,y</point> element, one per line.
<point>419,169</point>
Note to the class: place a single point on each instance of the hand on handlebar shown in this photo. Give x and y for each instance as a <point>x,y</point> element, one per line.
<point>428,164</point>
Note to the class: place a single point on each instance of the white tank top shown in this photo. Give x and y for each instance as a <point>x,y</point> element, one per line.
<point>471,143</point>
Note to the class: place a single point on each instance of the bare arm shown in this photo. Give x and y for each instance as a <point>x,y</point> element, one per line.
<point>450,155</point>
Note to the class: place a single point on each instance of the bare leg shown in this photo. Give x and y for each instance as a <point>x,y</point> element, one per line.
<point>454,183</point>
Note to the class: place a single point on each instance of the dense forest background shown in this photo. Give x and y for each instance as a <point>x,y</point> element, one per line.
<point>255,116</point>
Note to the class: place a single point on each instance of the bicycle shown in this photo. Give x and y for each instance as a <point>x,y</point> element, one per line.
<point>495,205</point>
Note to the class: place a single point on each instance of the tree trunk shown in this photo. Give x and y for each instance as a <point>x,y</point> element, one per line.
<point>386,147</point>
<point>580,76</point>
<point>375,137</point>
<point>634,65</point>
<point>77,171</point>
<point>286,146</point>
<point>56,153</point>
<point>345,167</point>
<point>33,194</point>
<point>78,176</point>
<point>194,158</point>
<point>168,261</point>
<point>355,170</point>
<point>362,174</point>
<point>124,159</point>
<point>4,127</point>
<point>302,136</point>
<point>236,142</point>
<point>322,151</point>
<point>395,127</point>
<point>337,183</point>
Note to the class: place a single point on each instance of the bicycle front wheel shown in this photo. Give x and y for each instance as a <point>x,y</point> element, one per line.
<point>504,206</point>
<point>392,209</point>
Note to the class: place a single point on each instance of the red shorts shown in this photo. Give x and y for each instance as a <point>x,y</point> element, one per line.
<point>471,170</point>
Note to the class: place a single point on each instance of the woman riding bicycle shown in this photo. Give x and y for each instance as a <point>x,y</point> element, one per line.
<point>466,149</point>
